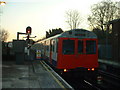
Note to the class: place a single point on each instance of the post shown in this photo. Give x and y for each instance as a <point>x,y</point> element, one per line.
<point>17,35</point>
<point>107,31</point>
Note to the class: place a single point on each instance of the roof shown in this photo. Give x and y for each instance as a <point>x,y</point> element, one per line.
<point>74,33</point>
<point>78,33</point>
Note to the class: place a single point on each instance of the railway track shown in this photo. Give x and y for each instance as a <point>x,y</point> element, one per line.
<point>110,79</point>
<point>106,81</point>
<point>79,83</point>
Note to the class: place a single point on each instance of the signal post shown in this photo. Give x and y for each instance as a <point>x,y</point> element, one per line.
<point>19,46</point>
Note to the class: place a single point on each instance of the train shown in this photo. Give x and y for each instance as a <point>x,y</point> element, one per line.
<point>72,49</point>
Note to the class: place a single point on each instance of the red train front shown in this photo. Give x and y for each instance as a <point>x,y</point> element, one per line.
<point>72,49</point>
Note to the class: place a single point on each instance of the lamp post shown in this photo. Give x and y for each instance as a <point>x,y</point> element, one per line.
<point>2,3</point>
<point>107,39</point>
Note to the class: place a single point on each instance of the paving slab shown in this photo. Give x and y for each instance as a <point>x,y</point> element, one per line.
<point>31,75</point>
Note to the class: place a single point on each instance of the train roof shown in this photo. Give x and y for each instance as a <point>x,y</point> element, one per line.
<point>75,33</point>
<point>78,33</point>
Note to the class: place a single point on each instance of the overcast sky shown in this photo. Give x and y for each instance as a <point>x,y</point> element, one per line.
<point>41,15</point>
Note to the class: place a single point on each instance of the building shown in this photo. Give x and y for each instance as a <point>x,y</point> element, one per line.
<point>115,40</point>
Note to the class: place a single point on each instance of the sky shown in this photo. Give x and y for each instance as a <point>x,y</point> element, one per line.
<point>41,15</point>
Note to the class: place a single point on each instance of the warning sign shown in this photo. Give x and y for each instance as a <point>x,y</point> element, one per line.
<point>38,54</point>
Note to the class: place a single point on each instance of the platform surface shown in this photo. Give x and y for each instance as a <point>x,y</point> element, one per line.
<point>32,74</point>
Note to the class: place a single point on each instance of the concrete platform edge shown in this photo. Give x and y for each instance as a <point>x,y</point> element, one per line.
<point>59,77</point>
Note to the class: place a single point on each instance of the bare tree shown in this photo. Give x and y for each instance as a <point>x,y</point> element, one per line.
<point>3,35</point>
<point>103,12</point>
<point>73,18</point>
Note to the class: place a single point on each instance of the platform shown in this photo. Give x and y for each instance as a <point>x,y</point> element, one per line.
<point>109,62</point>
<point>32,75</point>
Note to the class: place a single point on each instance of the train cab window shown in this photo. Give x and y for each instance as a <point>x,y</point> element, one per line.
<point>90,47</point>
<point>80,47</point>
<point>68,47</point>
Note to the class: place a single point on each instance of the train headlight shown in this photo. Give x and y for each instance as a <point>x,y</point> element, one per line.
<point>92,69</point>
<point>88,69</point>
<point>65,70</point>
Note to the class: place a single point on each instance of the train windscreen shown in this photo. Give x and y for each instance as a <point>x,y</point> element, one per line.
<point>68,47</point>
<point>90,47</point>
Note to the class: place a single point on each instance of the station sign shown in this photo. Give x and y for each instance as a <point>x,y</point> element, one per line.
<point>38,54</point>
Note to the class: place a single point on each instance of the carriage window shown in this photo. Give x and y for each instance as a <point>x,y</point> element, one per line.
<point>68,46</point>
<point>53,47</point>
<point>47,48</point>
<point>80,47</point>
<point>90,47</point>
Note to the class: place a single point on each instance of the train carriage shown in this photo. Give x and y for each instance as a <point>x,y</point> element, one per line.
<point>72,49</point>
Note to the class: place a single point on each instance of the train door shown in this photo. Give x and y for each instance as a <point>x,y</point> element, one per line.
<point>50,58</point>
<point>80,53</point>
<point>45,49</point>
<point>67,54</point>
<point>54,52</point>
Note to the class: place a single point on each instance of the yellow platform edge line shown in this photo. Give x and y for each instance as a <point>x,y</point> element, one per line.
<point>54,77</point>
